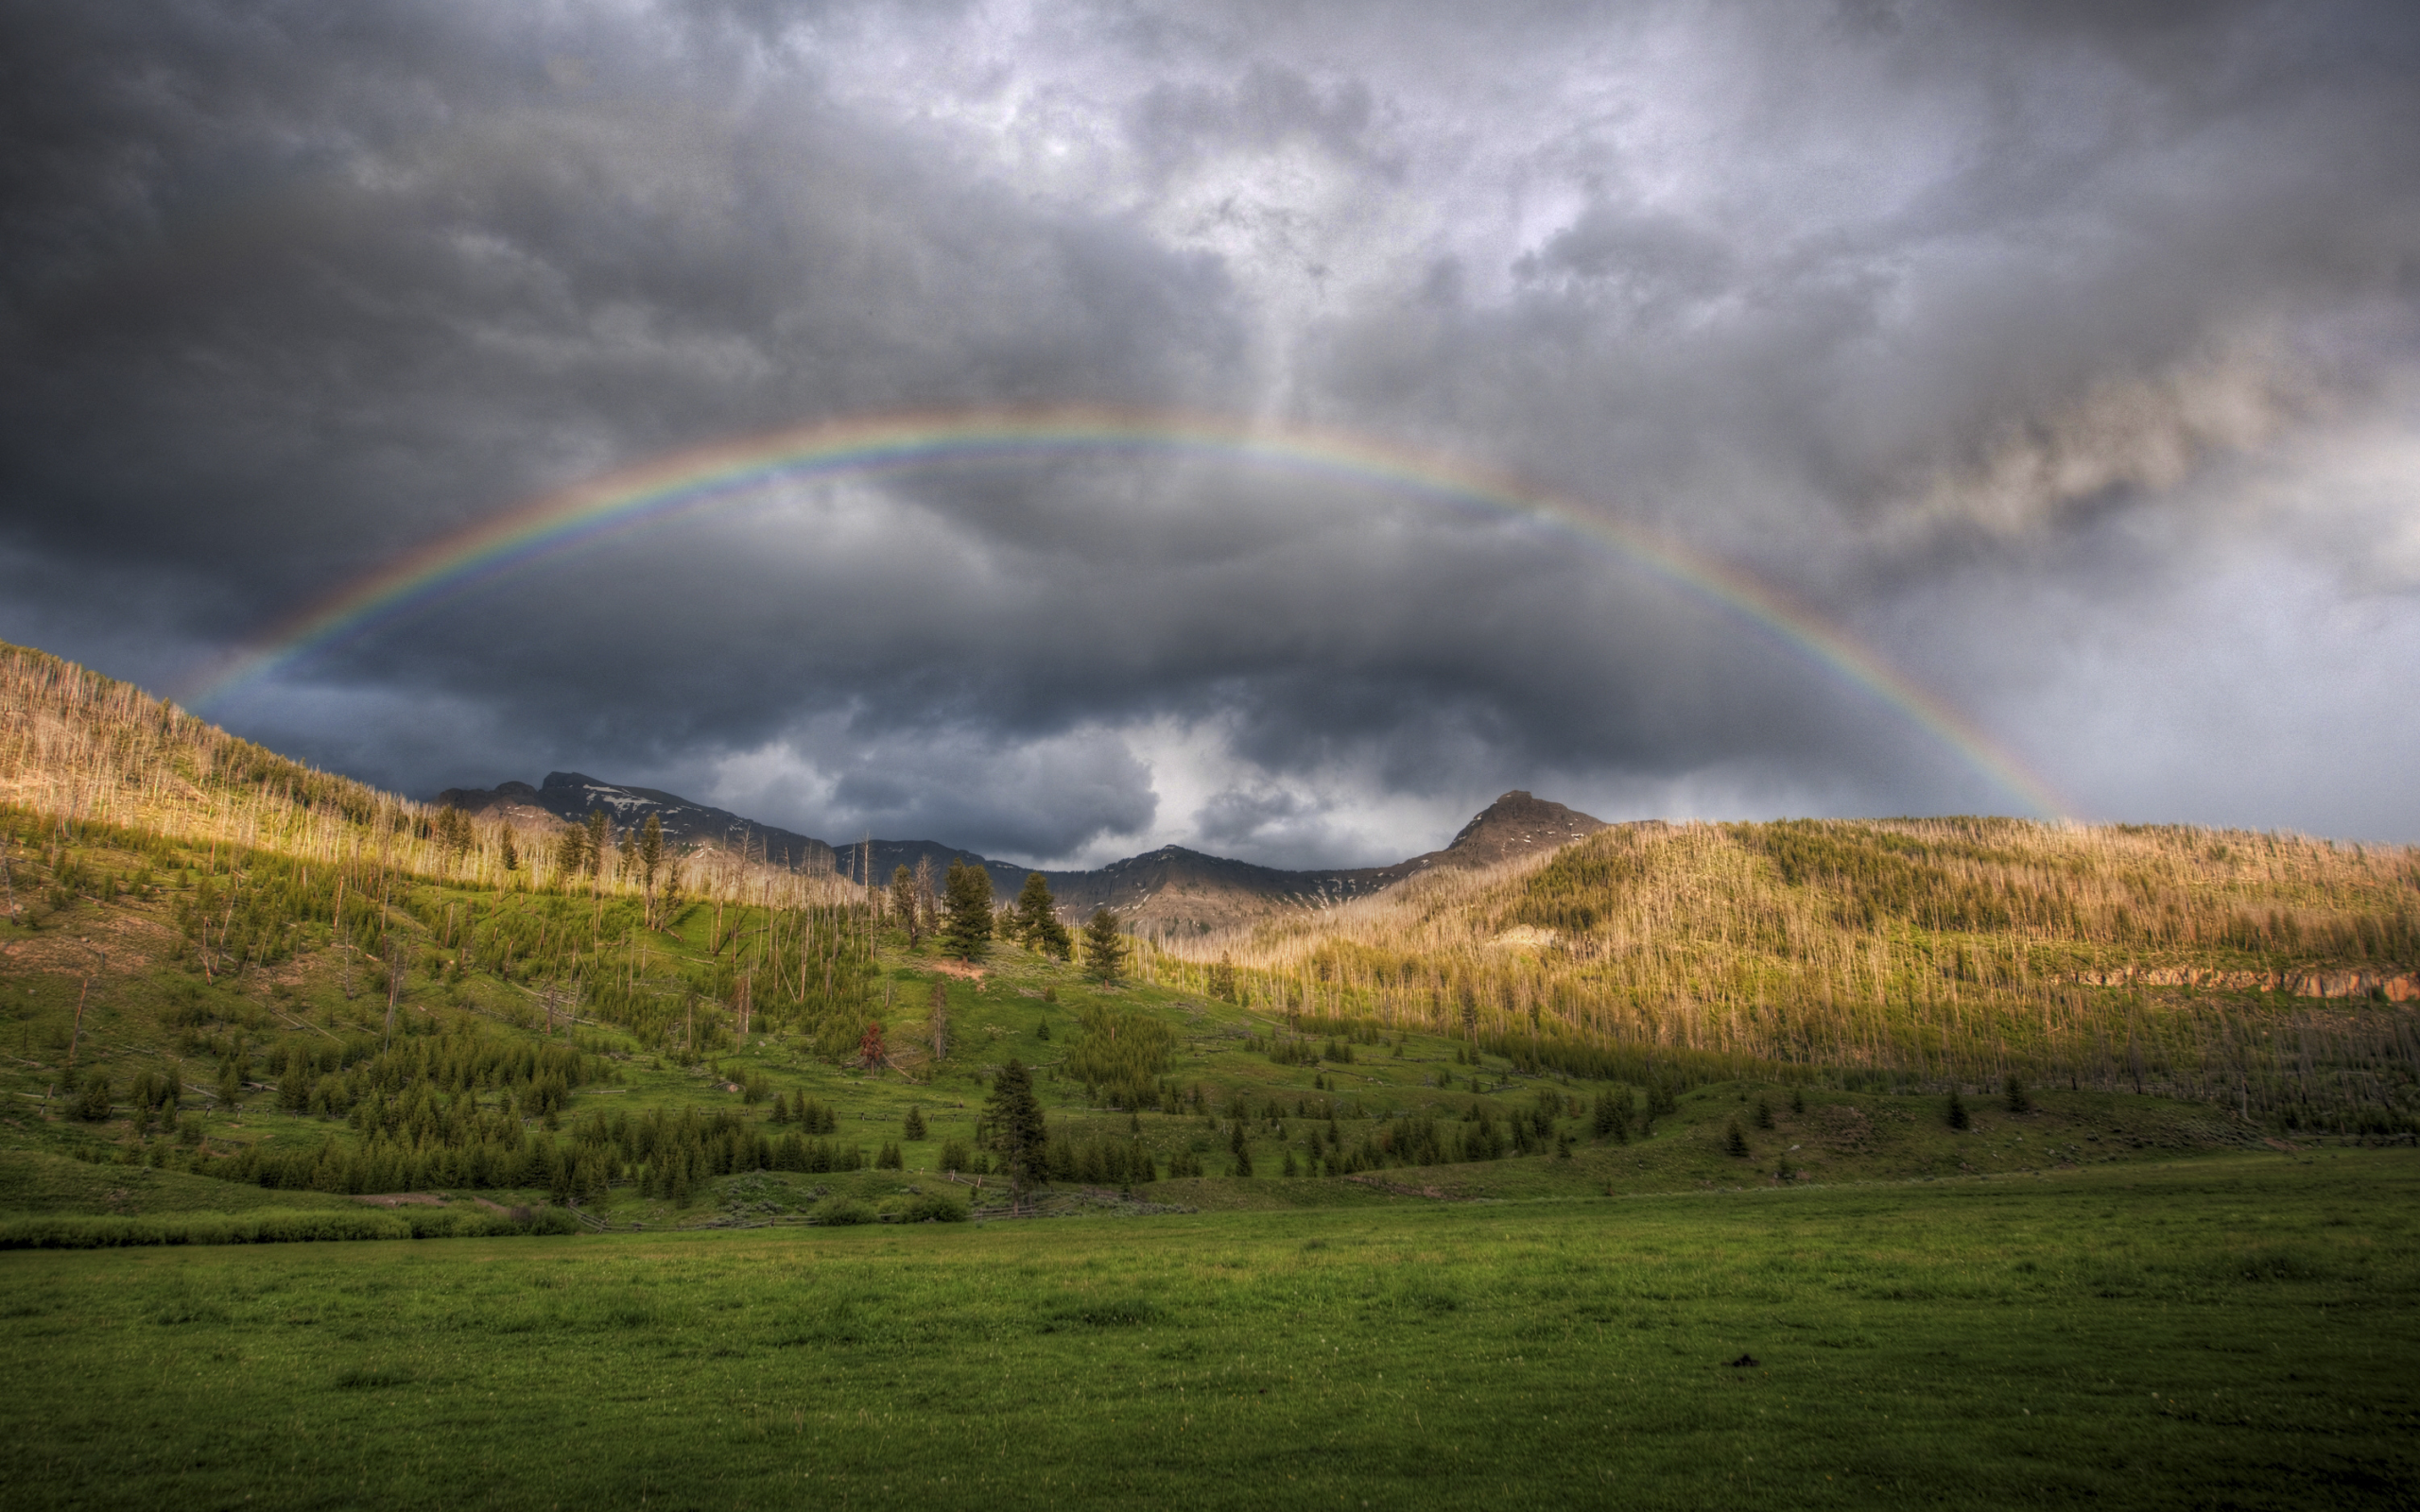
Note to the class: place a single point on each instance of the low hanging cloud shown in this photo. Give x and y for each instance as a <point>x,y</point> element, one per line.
<point>1993,336</point>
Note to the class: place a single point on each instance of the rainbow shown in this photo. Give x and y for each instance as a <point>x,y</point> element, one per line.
<point>696,479</point>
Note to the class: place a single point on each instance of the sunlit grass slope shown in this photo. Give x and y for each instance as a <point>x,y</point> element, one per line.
<point>2271,972</point>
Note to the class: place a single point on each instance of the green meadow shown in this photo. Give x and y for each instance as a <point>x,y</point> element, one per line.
<point>2230,1331</point>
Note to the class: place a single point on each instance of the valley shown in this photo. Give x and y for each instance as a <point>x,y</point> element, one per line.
<point>1554,1127</point>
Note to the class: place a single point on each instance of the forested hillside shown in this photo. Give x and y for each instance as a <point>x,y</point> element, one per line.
<point>218,962</point>
<point>2272,972</point>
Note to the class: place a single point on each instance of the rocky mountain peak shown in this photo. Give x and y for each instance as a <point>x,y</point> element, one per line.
<point>1518,823</point>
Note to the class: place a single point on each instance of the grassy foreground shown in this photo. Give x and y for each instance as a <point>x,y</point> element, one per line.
<point>2234,1331</point>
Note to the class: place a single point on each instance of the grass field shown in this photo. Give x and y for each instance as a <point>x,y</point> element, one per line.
<point>2233,1330</point>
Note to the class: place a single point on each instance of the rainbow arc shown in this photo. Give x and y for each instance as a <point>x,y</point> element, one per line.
<point>702,477</point>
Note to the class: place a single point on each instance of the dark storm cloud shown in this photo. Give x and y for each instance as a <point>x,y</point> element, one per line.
<point>1961,324</point>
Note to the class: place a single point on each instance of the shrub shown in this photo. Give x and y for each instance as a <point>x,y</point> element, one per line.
<point>1764,1113</point>
<point>1956,1113</point>
<point>93,1105</point>
<point>2019,1100</point>
<point>1736,1142</point>
<point>843,1211</point>
<point>934,1207</point>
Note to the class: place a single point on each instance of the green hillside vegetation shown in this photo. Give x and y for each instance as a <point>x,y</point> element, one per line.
<point>2270,973</point>
<point>1747,1148</point>
<point>364,998</point>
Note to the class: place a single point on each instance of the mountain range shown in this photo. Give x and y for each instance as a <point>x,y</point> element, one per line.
<point>1167,891</point>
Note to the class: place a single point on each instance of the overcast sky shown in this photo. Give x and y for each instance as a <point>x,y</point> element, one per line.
<point>2064,355</point>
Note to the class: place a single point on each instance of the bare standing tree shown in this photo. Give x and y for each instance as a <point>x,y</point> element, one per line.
<point>650,858</point>
<point>394,984</point>
<point>926,908</point>
<point>936,1021</point>
<point>904,903</point>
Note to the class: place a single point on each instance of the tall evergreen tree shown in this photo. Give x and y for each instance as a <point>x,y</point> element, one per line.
<point>1104,946</point>
<point>968,901</point>
<point>571,853</point>
<point>1019,1134</point>
<point>1034,921</point>
<point>600,838</point>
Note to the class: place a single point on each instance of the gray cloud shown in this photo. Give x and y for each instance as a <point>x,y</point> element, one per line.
<point>1994,336</point>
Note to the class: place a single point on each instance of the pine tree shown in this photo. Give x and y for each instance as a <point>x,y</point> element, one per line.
<point>571,853</point>
<point>1764,1113</point>
<point>599,839</point>
<point>1798,1100</point>
<point>2018,1099</point>
<point>1104,946</point>
<point>1222,979</point>
<point>1956,1113</point>
<point>1034,921</point>
<point>968,891</point>
<point>913,1129</point>
<point>1242,1149</point>
<point>1019,1134</point>
<point>507,852</point>
<point>1736,1142</point>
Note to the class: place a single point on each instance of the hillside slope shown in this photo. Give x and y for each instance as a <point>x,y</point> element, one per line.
<point>347,1001</point>
<point>2221,965</point>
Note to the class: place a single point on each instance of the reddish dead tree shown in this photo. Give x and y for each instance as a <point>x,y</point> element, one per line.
<point>870,1051</point>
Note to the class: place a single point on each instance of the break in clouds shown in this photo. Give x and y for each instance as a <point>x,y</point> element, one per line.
<point>2064,354</point>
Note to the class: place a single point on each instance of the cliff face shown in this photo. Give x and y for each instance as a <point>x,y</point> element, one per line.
<point>1171,890</point>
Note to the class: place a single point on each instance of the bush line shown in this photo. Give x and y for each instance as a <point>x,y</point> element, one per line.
<point>271,1227</point>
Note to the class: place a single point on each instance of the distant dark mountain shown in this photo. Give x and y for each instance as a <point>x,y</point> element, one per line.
<point>1174,890</point>
<point>1167,891</point>
<point>570,796</point>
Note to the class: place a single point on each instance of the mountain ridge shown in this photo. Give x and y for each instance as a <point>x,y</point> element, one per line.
<point>1170,889</point>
